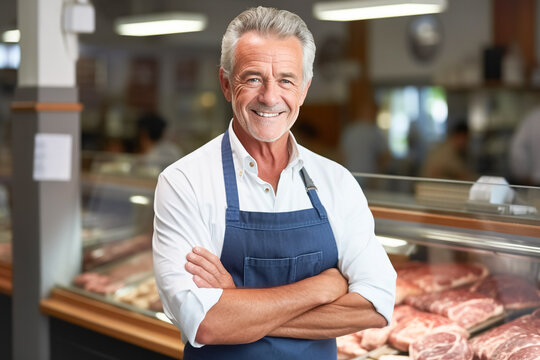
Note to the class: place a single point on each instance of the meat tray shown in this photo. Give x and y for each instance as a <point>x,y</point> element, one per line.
<point>106,280</point>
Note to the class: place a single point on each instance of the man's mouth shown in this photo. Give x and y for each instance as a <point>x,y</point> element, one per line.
<point>266,114</point>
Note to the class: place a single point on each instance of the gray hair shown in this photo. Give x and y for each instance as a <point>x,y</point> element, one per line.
<point>268,21</point>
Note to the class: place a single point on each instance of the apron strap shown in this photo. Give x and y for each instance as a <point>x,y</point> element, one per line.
<point>312,193</point>
<point>231,189</point>
<point>229,176</point>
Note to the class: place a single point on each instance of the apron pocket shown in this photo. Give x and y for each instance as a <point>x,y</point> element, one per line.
<point>262,273</point>
<point>308,265</point>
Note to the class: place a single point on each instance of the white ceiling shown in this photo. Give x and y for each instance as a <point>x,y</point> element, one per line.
<point>219,12</point>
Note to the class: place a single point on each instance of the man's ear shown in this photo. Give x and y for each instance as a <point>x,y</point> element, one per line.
<point>225,85</point>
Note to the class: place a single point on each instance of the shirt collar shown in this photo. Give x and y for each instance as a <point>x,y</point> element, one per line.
<point>243,161</point>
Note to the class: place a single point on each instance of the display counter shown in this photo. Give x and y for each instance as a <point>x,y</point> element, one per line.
<point>122,323</point>
<point>468,262</point>
<point>437,224</point>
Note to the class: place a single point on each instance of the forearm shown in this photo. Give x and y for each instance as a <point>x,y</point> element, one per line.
<point>246,315</point>
<point>348,314</point>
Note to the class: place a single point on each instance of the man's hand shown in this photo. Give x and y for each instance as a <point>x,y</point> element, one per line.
<point>207,270</point>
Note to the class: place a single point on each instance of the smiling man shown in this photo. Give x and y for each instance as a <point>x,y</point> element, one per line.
<point>263,249</point>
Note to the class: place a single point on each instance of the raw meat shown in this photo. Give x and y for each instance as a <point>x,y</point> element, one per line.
<point>349,346</point>
<point>405,288</point>
<point>418,324</point>
<point>466,308</point>
<point>107,253</point>
<point>526,345</point>
<point>369,339</point>
<point>401,312</point>
<point>441,346</point>
<point>437,277</point>
<point>117,276</point>
<point>519,337</point>
<point>98,283</point>
<point>512,291</point>
<point>374,338</point>
<point>528,353</point>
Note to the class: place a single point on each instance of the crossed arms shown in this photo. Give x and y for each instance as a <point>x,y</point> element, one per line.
<point>318,307</point>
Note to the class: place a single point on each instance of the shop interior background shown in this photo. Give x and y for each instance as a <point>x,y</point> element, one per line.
<point>413,95</point>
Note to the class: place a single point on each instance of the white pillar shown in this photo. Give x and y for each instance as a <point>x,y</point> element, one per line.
<point>46,212</point>
<point>48,54</point>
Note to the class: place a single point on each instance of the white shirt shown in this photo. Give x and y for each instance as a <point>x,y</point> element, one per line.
<point>190,205</point>
<point>525,149</point>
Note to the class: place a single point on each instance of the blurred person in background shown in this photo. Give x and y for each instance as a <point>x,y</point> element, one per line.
<point>155,149</point>
<point>525,151</point>
<point>363,146</point>
<point>448,159</point>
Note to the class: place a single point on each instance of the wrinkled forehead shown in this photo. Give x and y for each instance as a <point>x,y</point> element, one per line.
<point>256,41</point>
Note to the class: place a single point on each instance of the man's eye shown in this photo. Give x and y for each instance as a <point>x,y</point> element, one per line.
<point>253,80</point>
<point>286,81</point>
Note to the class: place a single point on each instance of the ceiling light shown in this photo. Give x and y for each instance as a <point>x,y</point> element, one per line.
<point>11,36</point>
<point>160,24</point>
<point>139,199</point>
<point>372,9</point>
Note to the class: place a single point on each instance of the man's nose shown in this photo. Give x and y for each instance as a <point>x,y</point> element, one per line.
<point>269,94</point>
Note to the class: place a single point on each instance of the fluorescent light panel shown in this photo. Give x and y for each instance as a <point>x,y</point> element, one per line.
<point>160,24</point>
<point>373,9</point>
<point>139,199</point>
<point>11,36</point>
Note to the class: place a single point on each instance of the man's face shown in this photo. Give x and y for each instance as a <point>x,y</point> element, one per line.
<point>266,85</point>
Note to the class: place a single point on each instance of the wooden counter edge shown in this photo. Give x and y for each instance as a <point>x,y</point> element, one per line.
<point>420,217</point>
<point>34,106</point>
<point>6,282</point>
<point>137,329</point>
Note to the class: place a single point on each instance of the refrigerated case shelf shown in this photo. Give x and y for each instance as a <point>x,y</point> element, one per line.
<point>460,233</point>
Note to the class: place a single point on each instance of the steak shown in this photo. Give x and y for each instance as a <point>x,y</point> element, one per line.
<point>369,339</point>
<point>521,346</point>
<point>441,346</point>
<point>528,353</point>
<point>438,277</point>
<point>417,324</point>
<point>405,288</point>
<point>512,291</point>
<point>520,337</point>
<point>466,308</point>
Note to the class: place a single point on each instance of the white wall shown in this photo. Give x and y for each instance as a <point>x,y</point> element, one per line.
<point>466,31</point>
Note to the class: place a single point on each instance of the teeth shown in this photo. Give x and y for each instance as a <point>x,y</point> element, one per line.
<point>267,114</point>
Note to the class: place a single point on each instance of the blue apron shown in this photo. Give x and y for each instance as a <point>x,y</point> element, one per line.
<point>262,250</point>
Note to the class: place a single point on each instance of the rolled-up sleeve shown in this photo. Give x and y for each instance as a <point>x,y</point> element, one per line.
<point>361,258</point>
<point>178,227</point>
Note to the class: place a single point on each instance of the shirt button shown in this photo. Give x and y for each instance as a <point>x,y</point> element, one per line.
<point>240,173</point>
<point>266,189</point>
<point>251,164</point>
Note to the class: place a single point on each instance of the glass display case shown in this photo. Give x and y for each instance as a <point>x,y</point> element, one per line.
<point>117,215</point>
<point>445,238</point>
<point>467,255</point>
